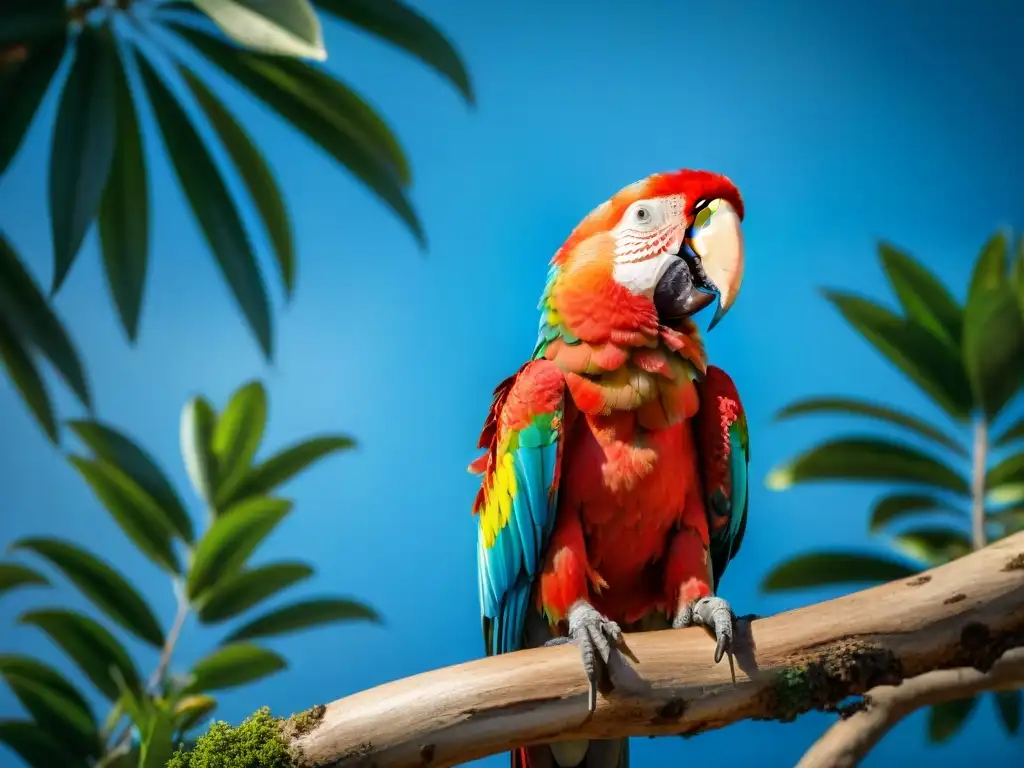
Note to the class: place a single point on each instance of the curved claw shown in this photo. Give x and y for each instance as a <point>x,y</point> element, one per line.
<point>595,636</point>
<point>715,614</point>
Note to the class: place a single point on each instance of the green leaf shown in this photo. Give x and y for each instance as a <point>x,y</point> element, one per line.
<point>901,505</point>
<point>89,645</point>
<point>404,27</point>
<point>124,213</point>
<point>818,569</point>
<point>1007,474</point>
<point>13,576</point>
<point>233,665</point>
<point>866,458</point>
<point>158,742</point>
<point>944,720</point>
<point>241,591</point>
<point>933,545</point>
<point>1010,493</point>
<point>327,111</point>
<point>101,583</point>
<point>303,615</point>
<point>255,174</point>
<point>57,714</point>
<point>28,668</point>
<point>1008,704</point>
<point>27,312</point>
<point>36,745</point>
<point>1011,434</point>
<point>25,376</point>
<point>924,298</point>
<point>231,539</point>
<point>1018,273</point>
<point>237,437</point>
<point>849,405</point>
<point>1011,520</point>
<point>929,362</point>
<point>25,21</point>
<point>22,88</point>
<point>285,27</point>
<point>211,204</point>
<point>53,702</point>
<point>993,345</point>
<point>118,449</point>
<point>198,422</point>
<point>138,514</point>
<point>278,469</point>
<point>135,702</point>
<point>84,139</point>
<point>191,710</point>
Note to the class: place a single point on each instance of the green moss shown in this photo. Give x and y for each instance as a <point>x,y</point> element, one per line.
<point>257,743</point>
<point>791,689</point>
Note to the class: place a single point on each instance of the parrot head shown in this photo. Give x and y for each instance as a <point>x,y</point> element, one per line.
<point>669,244</point>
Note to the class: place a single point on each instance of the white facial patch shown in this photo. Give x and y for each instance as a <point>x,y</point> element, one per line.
<point>649,227</point>
<point>641,277</point>
<point>647,238</point>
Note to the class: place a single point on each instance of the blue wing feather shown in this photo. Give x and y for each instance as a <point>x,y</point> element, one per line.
<point>509,562</point>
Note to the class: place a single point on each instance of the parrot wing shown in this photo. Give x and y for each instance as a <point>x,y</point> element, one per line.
<point>723,447</point>
<point>518,497</point>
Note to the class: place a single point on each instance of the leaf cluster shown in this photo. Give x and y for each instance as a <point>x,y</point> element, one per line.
<point>209,568</point>
<point>131,57</point>
<point>966,358</point>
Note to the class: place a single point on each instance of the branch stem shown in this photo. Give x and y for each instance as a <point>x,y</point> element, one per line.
<point>964,613</point>
<point>172,638</point>
<point>979,466</point>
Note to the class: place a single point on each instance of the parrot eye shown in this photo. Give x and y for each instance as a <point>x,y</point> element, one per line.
<point>642,214</point>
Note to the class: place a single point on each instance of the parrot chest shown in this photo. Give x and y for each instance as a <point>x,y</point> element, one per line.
<point>631,487</point>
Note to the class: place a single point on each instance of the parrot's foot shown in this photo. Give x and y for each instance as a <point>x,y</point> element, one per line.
<point>715,615</point>
<point>595,636</point>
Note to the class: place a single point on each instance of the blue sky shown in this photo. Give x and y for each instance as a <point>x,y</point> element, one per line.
<point>841,123</point>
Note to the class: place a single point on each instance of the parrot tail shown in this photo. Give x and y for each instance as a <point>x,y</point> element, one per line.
<point>605,753</point>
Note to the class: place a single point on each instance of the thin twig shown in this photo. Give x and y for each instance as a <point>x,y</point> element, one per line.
<point>123,741</point>
<point>849,740</point>
<point>172,638</point>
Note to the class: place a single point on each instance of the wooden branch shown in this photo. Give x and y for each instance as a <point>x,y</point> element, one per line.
<point>850,739</point>
<point>963,614</point>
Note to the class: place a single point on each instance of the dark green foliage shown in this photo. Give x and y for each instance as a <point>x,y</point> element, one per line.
<point>944,720</point>
<point>29,328</point>
<point>303,615</point>
<point>84,137</point>
<point>101,583</point>
<point>215,580</point>
<point>242,590</point>
<point>216,212</point>
<point>124,212</point>
<point>13,576</point>
<point>817,569</point>
<point>98,168</point>
<point>969,359</point>
<point>1009,705</point>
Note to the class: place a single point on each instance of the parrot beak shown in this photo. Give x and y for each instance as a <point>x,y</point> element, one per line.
<point>710,265</point>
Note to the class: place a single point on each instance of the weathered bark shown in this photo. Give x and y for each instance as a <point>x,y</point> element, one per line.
<point>963,614</point>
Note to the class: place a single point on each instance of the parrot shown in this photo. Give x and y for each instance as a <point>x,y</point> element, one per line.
<point>613,489</point>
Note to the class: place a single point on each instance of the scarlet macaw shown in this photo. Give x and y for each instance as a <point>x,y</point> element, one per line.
<point>614,489</point>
